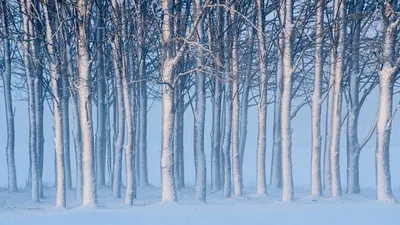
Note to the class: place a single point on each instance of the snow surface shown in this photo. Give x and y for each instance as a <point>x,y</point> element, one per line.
<point>15,209</point>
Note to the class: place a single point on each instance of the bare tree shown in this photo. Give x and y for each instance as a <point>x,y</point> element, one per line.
<point>6,75</point>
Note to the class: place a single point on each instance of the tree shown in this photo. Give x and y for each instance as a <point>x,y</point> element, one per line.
<point>6,75</point>
<point>389,66</point>
<point>237,184</point>
<point>29,51</point>
<point>89,196</point>
<point>316,185</point>
<point>56,85</point>
<point>286,19</point>
<point>200,158</point>
<point>262,105</point>
<point>339,33</point>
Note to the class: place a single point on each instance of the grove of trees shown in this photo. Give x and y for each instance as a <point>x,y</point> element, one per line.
<point>100,62</point>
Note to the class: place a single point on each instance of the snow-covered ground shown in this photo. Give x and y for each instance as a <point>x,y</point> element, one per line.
<point>248,210</point>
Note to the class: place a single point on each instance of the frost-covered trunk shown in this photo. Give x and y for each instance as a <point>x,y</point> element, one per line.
<point>222,159</point>
<point>167,165</point>
<point>216,138</point>
<point>6,75</point>
<point>244,107</point>
<point>109,148</point>
<point>227,138</point>
<point>65,125</point>
<point>389,69</point>
<point>143,174</point>
<point>89,195</point>
<point>77,135</point>
<point>39,98</point>
<point>286,131</point>
<point>227,117</point>
<point>124,98</point>
<point>199,115</point>
<point>354,106</point>
<point>262,103</point>
<point>328,125</point>
<point>129,154</point>
<point>383,130</point>
<point>180,112</point>
<point>76,129</point>
<point>101,140</point>
<point>56,86</point>
<point>237,184</point>
<point>316,184</point>
<point>30,80</point>
<point>276,161</point>
<point>120,126</point>
<point>339,31</point>
<point>178,130</point>
<point>216,107</point>
<point>168,192</point>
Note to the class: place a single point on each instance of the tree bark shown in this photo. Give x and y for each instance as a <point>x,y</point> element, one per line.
<point>336,189</point>
<point>237,185</point>
<point>316,184</point>
<point>56,86</point>
<point>89,196</point>
<point>12,173</point>
<point>286,14</point>
<point>262,105</point>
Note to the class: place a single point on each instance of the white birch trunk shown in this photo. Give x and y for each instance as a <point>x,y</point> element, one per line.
<point>316,185</point>
<point>383,130</point>
<point>56,86</point>
<point>244,108</point>
<point>328,125</point>
<point>168,192</point>
<point>262,105</point>
<point>199,115</point>
<point>89,195</point>
<point>287,178</point>
<point>120,132</point>
<point>12,173</point>
<point>353,147</point>
<point>216,183</point>
<point>386,74</point>
<point>28,49</point>
<point>237,185</point>
<point>336,189</point>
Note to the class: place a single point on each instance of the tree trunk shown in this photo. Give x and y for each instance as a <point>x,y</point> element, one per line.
<point>276,161</point>
<point>30,79</point>
<point>143,174</point>
<point>217,99</point>
<point>12,173</point>
<point>168,192</point>
<point>336,189</point>
<point>89,196</point>
<point>262,105</point>
<point>353,147</point>
<point>386,74</point>
<point>316,185</point>
<point>120,132</point>
<point>199,118</point>
<point>237,185</point>
<point>287,179</point>
<point>56,86</point>
<point>101,106</point>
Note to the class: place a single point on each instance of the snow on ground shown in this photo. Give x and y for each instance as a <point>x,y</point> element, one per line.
<point>248,210</point>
